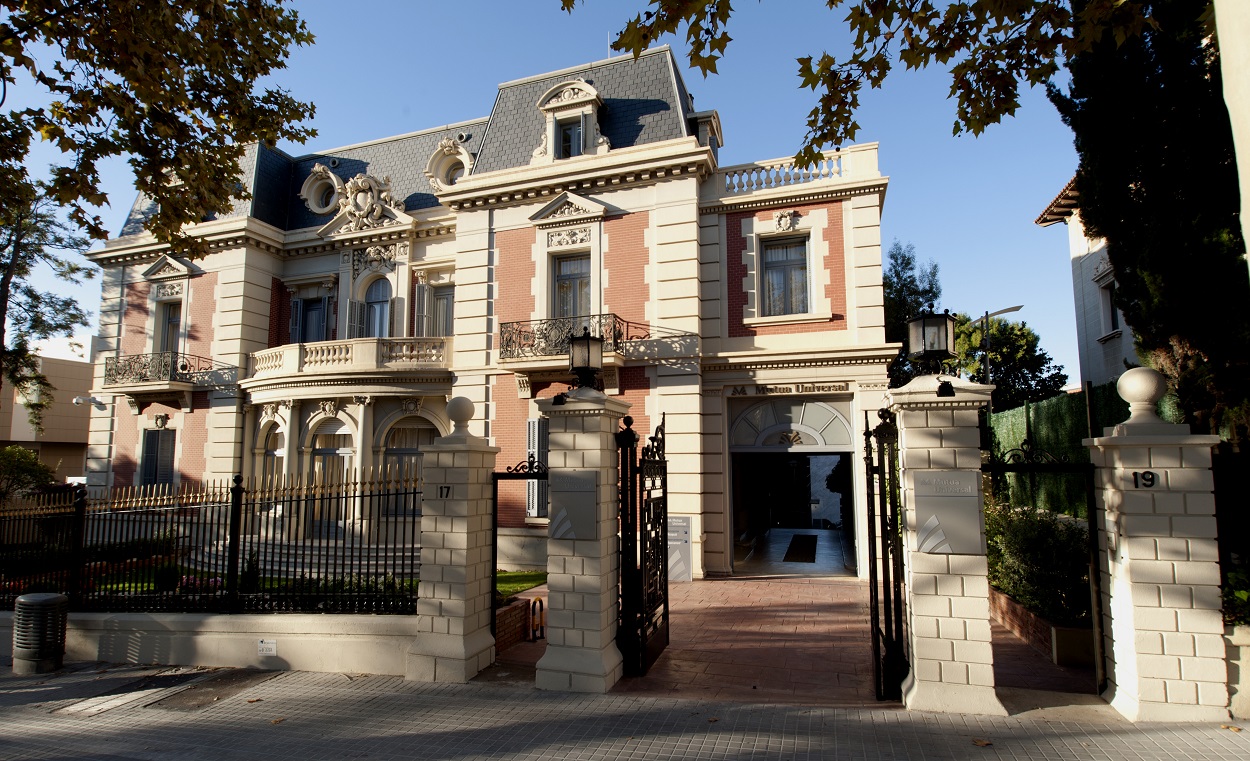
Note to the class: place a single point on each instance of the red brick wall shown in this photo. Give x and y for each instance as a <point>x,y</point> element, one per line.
<point>198,315</point>
<point>193,440</point>
<point>512,625</point>
<point>625,260</point>
<point>515,273</point>
<point>135,319</point>
<point>279,313</point>
<point>1023,623</point>
<point>834,263</point>
<point>125,446</point>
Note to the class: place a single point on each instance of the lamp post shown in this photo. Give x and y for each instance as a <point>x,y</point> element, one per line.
<point>585,357</point>
<point>985,339</point>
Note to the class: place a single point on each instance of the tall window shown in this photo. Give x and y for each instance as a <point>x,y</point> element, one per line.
<point>572,286</point>
<point>378,309</point>
<point>785,277</point>
<point>570,134</point>
<point>404,459</point>
<point>443,312</point>
<point>271,463</point>
<point>171,326</point>
<point>308,320</point>
<point>1110,312</point>
<point>157,466</point>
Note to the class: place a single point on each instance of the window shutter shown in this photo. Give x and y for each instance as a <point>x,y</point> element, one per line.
<point>536,438</point>
<point>151,440</point>
<point>390,317</point>
<point>357,313</point>
<point>421,313</point>
<point>165,464</point>
<point>324,328</point>
<point>297,320</point>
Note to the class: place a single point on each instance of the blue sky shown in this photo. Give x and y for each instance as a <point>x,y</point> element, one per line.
<point>381,68</point>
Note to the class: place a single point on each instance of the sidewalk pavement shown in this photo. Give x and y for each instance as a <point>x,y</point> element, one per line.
<point>111,713</point>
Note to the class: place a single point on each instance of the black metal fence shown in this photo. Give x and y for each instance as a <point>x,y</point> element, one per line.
<point>283,547</point>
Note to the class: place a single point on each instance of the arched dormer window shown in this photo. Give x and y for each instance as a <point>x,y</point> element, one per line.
<point>450,162</point>
<point>571,126</point>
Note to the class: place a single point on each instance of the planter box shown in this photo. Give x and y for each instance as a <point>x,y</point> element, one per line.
<point>512,624</point>
<point>1065,646</point>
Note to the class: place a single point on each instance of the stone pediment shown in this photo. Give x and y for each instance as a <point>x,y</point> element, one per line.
<point>365,203</point>
<point>568,208</point>
<point>167,268</point>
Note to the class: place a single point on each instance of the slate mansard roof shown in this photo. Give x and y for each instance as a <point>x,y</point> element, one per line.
<point>644,101</point>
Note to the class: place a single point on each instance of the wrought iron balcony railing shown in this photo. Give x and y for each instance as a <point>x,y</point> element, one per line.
<point>550,338</point>
<point>164,367</point>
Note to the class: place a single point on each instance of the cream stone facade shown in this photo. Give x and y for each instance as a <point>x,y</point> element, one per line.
<point>361,288</point>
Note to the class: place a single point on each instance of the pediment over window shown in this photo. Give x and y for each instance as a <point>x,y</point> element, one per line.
<point>365,203</point>
<point>570,94</point>
<point>571,123</point>
<point>167,268</point>
<point>568,208</point>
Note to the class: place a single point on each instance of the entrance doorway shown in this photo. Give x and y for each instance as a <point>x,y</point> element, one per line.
<point>793,514</point>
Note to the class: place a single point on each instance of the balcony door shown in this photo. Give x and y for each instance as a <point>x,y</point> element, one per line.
<point>170,330</point>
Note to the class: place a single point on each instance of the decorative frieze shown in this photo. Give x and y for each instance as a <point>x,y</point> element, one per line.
<point>167,290</point>
<point>571,237</point>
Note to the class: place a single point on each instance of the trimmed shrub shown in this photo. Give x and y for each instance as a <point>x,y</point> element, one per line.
<point>1040,561</point>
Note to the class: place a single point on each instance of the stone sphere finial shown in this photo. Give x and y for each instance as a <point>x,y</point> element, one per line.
<point>1142,388</point>
<point>460,410</point>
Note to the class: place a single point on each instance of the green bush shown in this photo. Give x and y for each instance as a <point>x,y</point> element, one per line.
<point>1237,597</point>
<point>1040,561</point>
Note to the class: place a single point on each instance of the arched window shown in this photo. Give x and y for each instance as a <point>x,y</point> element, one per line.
<point>378,309</point>
<point>404,445</point>
<point>271,459</point>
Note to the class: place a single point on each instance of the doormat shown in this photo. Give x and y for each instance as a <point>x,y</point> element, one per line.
<point>802,549</point>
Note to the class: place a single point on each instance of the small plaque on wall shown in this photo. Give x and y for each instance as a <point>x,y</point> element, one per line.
<point>947,512</point>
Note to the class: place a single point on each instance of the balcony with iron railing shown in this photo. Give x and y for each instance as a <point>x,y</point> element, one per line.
<point>544,344</point>
<point>164,375</point>
<point>352,356</point>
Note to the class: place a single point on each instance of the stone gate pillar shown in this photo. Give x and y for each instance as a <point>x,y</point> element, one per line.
<point>1161,578</point>
<point>952,662</point>
<point>455,598</point>
<point>583,563</point>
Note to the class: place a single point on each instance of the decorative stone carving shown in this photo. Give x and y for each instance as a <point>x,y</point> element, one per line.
<point>161,420</point>
<point>168,270</point>
<point>411,406</point>
<point>786,220</point>
<point>269,411</point>
<point>523,388</point>
<point>541,150</point>
<point>423,277</point>
<point>328,407</point>
<point>322,191</point>
<point>365,201</point>
<point>362,399</point>
<point>375,258</point>
<point>569,209</point>
<point>570,94</point>
<point>167,290</point>
<point>599,139</point>
<point>570,237</point>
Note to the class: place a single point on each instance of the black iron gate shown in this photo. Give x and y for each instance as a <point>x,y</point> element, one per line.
<point>885,556</point>
<point>642,633</point>
<point>1027,460</point>
<point>530,470</point>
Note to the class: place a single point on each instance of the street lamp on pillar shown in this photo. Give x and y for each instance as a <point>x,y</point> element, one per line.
<point>585,358</point>
<point>931,338</point>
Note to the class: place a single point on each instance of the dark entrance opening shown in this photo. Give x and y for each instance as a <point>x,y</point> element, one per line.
<point>793,513</point>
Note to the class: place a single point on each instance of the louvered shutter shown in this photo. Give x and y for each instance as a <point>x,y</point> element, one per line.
<point>536,437</point>
<point>357,313</point>
<point>297,320</point>
<point>421,313</point>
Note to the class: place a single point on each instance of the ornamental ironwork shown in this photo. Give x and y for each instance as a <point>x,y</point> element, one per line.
<point>166,366</point>
<point>532,466</point>
<point>1028,454</point>
<point>550,338</point>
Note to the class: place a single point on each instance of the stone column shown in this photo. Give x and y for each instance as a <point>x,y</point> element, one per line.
<point>583,563</point>
<point>455,605</point>
<point>948,607</point>
<point>1161,579</point>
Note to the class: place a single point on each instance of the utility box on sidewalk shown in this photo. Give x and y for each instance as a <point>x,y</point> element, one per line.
<point>39,622</point>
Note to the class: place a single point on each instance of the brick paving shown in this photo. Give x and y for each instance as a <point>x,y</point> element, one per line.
<point>308,717</point>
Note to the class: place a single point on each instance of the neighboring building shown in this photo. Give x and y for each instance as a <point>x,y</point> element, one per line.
<point>1104,340</point>
<point>63,444</point>
<point>361,288</point>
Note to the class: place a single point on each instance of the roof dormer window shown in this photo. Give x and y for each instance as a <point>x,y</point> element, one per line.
<point>571,126</point>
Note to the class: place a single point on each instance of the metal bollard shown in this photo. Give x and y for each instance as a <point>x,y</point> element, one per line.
<point>538,620</point>
<point>39,621</point>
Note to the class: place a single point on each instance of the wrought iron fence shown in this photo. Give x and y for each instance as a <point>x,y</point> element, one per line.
<point>163,366</point>
<point>282,547</point>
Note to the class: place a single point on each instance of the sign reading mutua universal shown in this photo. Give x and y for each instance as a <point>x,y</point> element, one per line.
<point>797,388</point>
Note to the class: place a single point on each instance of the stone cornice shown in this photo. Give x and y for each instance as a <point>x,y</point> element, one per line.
<point>804,193</point>
<point>619,168</point>
<point>860,357</point>
<point>217,235</point>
